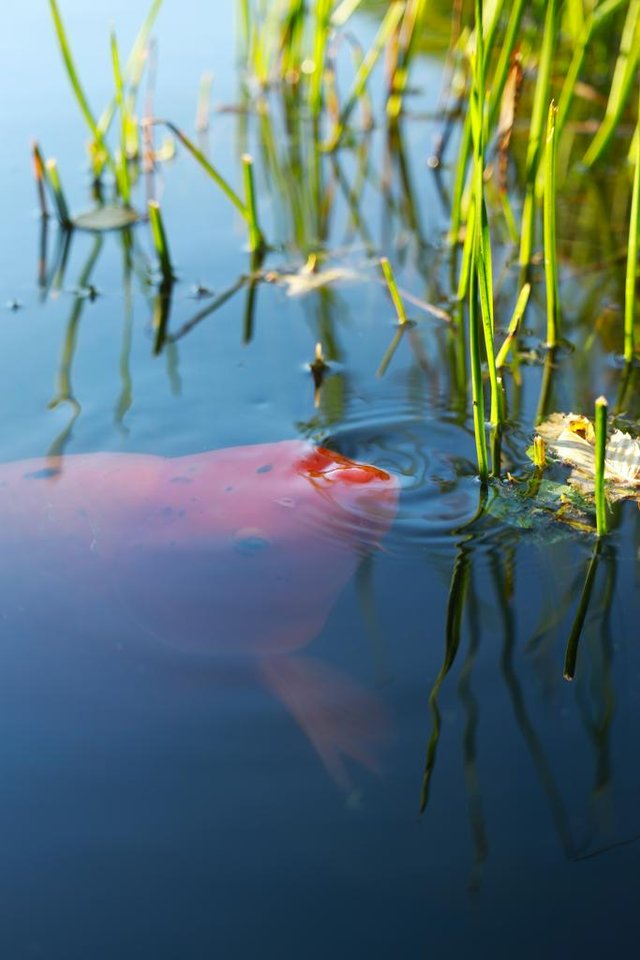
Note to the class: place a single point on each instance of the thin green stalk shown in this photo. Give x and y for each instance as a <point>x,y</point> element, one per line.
<point>623,76</point>
<point>462,161</point>
<point>597,17</point>
<point>632,257</point>
<point>323,23</point>
<point>76,86</point>
<point>412,19</point>
<point>387,27</point>
<point>550,246</point>
<point>601,446</point>
<point>160,240</point>
<point>256,241</point>
<point>540,100</point>
<point>514,325</point>
<point>122,168</point>
<point>460,179</point>
<point>504,61</point>
<point>393,290</point>
<point>482,240</point>
<point>59,200</point>
<point>244,14</point>
<point>40,177</point>
<point>199,156</point>
<point>135,64</point>
<point>477,390</point>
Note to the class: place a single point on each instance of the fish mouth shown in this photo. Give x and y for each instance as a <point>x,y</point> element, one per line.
<point>331,466</point>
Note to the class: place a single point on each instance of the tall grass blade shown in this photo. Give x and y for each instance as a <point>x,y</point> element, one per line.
<point>40,177</point>
<point>550,246</point>
<point>514,325</point>
<point>597,17</point>
<point>100,147</point>
<point>409,28</point>
<point>59,200</point>
<point>538,115</point>
<point>387,27</point>
<point>322,27</point>
<point>623,76</point>
<point>601,446</point>
<point>160,240</point>
<point>256,241</point>
<point>199,156</point>
<point>135,64</point>
<point>477,390</point>
<point>393,290</point>
<point>632,257</point>
<point>122,165</point>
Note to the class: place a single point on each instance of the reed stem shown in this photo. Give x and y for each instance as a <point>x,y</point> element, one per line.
<point>632,257</point>
<point>256,241</point>
<point>160,240</point>
<point>40,177</point>
<point>59,200</point>
<point>540,99</point>
<point>601,446</point>
<point>393,290</point>
<point>549,217</point>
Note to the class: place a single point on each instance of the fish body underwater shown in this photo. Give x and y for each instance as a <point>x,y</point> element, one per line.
<point>232,553</point>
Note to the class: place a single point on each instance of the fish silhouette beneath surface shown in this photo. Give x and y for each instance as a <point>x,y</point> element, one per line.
<point>238,552</point>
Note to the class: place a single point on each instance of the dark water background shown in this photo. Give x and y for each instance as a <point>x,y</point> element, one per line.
<point>155,806</point>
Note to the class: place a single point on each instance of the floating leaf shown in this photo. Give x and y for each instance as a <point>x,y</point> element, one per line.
<point>108,217</point>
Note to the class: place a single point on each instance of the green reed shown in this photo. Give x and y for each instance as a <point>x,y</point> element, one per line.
<point>256,241</point>
<point>549,226</point>
<point>57,193</point>
<point>320,41</point>
<point>632,255</point>
<point>601,446</point>
<point>408,30</point>
<point>386,30</point>
<point>514,326</point>
<point>536,131</point>
<point>100,149</point>
<point>248,210</point>
<point>390,279</point>
<point>598,16</point>
<point>160,241</point>
<point>40,176</point>
<point>621,84</point>
<point>122,163</point>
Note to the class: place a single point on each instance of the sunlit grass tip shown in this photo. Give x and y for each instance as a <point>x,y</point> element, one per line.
<point>59,199</point>
<point>160,242</point>
<point>392,286</point>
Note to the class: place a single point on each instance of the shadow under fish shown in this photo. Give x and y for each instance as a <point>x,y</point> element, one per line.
<point>232,553</point>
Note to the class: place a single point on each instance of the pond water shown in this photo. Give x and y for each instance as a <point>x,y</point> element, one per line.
<point>416,778</point>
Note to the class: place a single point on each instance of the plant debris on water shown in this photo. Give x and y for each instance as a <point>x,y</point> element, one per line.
<point>570,438</point>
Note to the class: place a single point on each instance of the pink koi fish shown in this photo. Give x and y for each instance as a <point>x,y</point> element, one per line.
<point>239,552</point>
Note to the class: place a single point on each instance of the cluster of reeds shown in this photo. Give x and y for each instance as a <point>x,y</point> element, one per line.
<point>518,70</point>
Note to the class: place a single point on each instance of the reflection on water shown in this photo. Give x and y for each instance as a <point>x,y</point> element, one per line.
<point>585,612</point>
